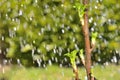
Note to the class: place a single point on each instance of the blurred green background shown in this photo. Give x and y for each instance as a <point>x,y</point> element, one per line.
<point>40,32</point>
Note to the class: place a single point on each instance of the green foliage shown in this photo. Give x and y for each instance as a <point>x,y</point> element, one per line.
<point>80,9</point>
<point>104,20</point>
<point>12,48</point>
<point>49,29</point>
<point>82,55</point>
<point>94,36</point>
<point>26,48</point>
<point>72,56</point>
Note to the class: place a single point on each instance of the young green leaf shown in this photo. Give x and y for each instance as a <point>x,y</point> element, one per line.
<point>80,9</point>
<point>94,36</point>
<point>72,56</point>
<point>82,56</point>
<point>26,48</point>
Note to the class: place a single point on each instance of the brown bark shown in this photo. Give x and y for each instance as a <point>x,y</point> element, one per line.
<point>75,71</point>
<point>85,28</point>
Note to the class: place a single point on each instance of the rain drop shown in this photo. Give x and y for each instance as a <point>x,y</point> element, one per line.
<point>100,36</point>
<point>39,33</point>
<point>99,59</point>
<point>39,63</point>
<point>0,51</point>
<point>73,39</point>
<point>34,41</point>
<point>13,19</point>
<point>105,41</point>
<point>68,49</point>
<point>53,58</point>
<point>62,25</point>
<point>65,59</point>
<point>90,20</point>
<point>6,15</point>
<point>56,60</point>
<point>97,1</point>
<point>115,59</point>
<point>96,7</point>
<point>36,1</point>
<point>18,62</point>
<point>49,28</point>
<point>7,49</point>
<point>70,17</point>
<point>38,51</point>
<point>20,12</point>
<point>15,28</point>
<point>92,29</point>
<point>42,30</point>
<point>54,50</point>
<point>106,63</point>
<point>44,66</point>
<point>95,23</point>
<point>68,28</point>
<point>31,18</point>
<point>3,38</point>
<point>86,78</point>
<point>60,65</point>
<point>21,5</point>
<point>49,62</point>
<point>76,46</point>
<point>5,62</point>
<point>33,51</point>
<point>109,20</point>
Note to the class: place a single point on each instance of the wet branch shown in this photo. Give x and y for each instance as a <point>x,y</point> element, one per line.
<point>88,48</point>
